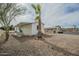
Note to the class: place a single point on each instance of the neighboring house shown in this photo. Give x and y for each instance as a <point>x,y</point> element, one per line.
<point>59,29</point>
<point>56,29</point>
<point>28,28</point>
<point>49,30</point>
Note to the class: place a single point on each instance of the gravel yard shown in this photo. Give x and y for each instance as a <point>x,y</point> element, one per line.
<point>57,45</point>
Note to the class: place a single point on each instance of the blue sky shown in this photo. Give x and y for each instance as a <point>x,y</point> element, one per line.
<point>53,14</point>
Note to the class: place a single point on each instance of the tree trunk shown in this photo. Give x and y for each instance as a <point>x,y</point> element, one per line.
<point>39,25</point>
<point>39,30</point>
<point>6,36</point>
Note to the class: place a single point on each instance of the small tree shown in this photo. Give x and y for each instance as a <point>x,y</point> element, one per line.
<point>8,12</point>
<point>37,9</point>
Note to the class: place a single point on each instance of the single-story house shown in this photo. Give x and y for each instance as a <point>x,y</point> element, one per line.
<point>52,30</point>
<point>28,28</point>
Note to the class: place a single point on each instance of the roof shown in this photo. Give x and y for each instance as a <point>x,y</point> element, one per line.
<point>25,23</point>
<point>22,23</point>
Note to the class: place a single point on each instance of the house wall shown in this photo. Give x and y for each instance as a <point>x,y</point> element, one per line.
<point>27,29</point>
<point>30,29</point>
<point>42,28</point>
<point>34,29</point>
<point>17,29</point>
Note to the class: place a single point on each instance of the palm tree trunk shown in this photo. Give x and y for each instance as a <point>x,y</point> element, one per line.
<point>39,25</point>
<point>39,30</point>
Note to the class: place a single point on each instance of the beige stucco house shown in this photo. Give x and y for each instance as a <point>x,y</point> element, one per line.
<point>28,28</point>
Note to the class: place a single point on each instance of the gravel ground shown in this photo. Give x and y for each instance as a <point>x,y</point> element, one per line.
<point>57,45</point>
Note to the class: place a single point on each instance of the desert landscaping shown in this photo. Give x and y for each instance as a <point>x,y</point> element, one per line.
<point>55,45</point>
<point>39,29</point>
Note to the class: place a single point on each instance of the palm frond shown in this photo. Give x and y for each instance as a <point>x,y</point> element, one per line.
<point>39,8</point>
<point>33,6</point>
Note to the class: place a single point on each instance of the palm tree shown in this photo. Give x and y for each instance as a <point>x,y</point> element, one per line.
<point>37,9</point>
<point>8,12</point>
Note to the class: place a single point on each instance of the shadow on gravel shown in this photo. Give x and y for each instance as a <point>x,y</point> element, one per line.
<point>24,38</point>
